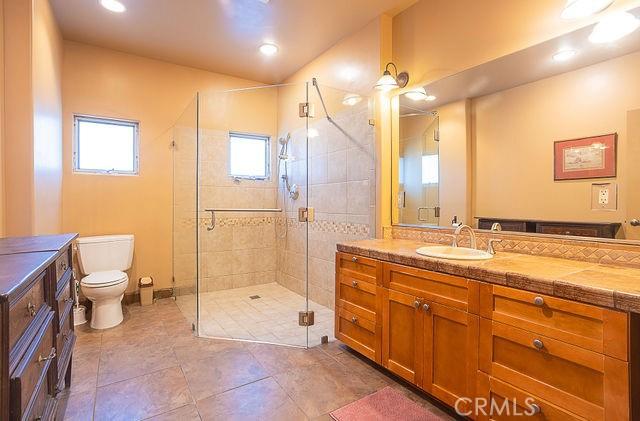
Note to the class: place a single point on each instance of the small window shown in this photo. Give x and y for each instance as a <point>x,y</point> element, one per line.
<point>430,169</point>
<point>105,145</point>
<point>248,156</point>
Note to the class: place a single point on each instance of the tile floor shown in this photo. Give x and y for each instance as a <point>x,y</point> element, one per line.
<point>152,367</point>
<point>273,317</point>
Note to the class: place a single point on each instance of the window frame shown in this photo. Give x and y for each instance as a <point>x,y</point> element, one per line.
<point>77,118</point>
<point>267,164</point>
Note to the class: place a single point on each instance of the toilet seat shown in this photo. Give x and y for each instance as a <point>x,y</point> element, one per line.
<point>104,279</point>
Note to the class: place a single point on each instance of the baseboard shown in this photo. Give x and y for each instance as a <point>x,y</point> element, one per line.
<point>134,297</point>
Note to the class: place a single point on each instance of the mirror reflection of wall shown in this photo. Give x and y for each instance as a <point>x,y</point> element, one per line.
<point>418,169</point>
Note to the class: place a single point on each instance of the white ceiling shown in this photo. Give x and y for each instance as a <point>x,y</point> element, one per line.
<point>222,35</point>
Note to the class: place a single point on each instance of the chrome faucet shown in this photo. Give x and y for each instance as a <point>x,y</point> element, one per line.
<point>496,227</point>
<point>472,235</point>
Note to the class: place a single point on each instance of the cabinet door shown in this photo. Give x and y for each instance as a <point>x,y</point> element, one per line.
<point>401,335</point>
<point>450,352</point>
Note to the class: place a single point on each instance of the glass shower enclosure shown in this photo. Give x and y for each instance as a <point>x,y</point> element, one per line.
<point>261,181</point>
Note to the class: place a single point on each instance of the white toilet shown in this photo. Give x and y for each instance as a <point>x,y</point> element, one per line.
<point>104,259</point>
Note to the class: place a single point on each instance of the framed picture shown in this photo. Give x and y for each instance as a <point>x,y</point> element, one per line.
<point>589,157</point>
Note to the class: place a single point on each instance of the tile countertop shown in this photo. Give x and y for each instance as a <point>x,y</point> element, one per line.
<point>603,285</point>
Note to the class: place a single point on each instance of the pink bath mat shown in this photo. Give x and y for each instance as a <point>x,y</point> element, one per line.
<point>385,405</point>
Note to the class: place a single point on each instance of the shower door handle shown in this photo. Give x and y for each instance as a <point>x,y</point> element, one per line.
<point>212,225</point>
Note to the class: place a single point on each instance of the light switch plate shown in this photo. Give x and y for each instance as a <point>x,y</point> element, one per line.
<point>604,196</point>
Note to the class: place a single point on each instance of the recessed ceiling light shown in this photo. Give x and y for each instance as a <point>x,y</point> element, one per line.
<point>113,5</point>
<point>351,99</point>
<point>576,9</point>
<point>430,98</point>
<point>614,27</point>
<point>564,55</point>
<point>268,49</point>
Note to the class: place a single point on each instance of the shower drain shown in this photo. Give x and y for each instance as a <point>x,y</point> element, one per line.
<point>254,297</point>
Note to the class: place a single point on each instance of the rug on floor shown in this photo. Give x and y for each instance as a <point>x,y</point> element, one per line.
<point>386,404</point>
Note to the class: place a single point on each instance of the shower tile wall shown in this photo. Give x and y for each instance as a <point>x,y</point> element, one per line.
<point>342,191</point>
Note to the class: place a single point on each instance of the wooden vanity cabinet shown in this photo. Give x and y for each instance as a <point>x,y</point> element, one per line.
<point>459,338</point>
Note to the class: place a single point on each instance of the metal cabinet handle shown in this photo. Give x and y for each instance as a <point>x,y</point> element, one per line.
<point>426,307</point>
<point>417,303</point>
<point>538,344</point>
<point>535,409</point>
<point>354,259</point>
<point>32,309</point>
<point>354,284</point>
<point>539,301</point>
<point>354,319</point>
<point>51,356</point>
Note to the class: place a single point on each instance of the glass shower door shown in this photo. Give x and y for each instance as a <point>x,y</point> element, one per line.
<point>251,182</point>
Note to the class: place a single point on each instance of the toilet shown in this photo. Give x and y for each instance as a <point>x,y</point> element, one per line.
<point>104,259</point>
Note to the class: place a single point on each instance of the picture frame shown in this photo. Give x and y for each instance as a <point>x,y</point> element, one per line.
<point>587,157</point>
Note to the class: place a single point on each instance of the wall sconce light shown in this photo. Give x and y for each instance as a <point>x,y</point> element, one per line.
<point>388,82</point>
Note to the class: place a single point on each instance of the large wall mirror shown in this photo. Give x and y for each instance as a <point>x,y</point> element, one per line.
<point>541,143</point>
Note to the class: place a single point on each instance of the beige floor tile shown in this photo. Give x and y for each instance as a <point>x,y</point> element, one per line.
<point>121,364</point>
<point>185,413</point>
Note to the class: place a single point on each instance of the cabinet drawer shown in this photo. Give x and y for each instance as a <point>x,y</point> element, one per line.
<point>351,264</point>
<point>63,265</point>
<point>23,312</point>
<point>356,295</point>
<point>63,302</point>
<point>358,333</point>
<point>590,327</point>
<point>506,402</point>
<point>32,370</point>
<point>584,382</point>
<point>43,406</point>
<point>449,290</point>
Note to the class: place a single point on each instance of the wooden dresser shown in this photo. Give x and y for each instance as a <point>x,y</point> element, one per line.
<point>36,315</point>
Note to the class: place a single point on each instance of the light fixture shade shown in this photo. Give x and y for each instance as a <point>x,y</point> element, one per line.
<point>564,55</point>
<point>614,27</point>
<point>113,6</point>
<point>351,99</point>
<point>418,94</point>
<point>268,49</point>
<point>576,9</point>
<point>386,82</point>
<point>430,98</point>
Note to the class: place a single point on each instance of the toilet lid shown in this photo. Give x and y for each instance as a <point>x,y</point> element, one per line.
<point>105,278</point>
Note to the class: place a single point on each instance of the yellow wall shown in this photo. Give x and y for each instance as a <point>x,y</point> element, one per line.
<point>515,130</point>
<point>47,52</point>
<point>112,84</point>
<point>436,38</point>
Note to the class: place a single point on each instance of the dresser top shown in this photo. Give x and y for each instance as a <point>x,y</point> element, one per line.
<point>13,245</point>
<point>17,269</point>
<point>603,285</point>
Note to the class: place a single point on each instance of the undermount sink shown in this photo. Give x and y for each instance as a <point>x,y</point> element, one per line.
<point>454,253</point>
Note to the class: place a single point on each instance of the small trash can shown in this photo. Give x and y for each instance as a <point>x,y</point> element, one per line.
<point>146,291</point>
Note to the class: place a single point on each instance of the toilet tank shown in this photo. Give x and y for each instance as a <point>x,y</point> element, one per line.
<point>105,252</point>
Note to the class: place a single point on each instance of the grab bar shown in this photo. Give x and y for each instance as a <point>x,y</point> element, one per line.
<point>214,210</point>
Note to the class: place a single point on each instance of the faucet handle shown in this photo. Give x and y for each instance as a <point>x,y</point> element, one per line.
<point>490,248</point>
<point>454,239</point>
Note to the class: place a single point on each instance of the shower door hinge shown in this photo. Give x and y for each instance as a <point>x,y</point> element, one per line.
<point>305,109</point>
<point>306,318</point>
<point>306,214</point>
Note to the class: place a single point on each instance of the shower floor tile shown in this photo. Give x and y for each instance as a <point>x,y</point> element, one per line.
<point>273,317</point>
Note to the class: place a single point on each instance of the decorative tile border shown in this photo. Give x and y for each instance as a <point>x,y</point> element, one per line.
<point>583,250</point>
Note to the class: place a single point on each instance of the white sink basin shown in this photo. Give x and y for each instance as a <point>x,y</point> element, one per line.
<point>454,253</point>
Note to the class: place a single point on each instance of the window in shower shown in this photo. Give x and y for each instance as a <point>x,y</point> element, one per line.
<point>248,156</point>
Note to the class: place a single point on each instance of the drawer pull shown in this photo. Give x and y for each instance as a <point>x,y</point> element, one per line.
<point>32,309</point>
<point>417,303</point>
<point>68,300</point>
<point>539,301</point>
<point>354,259</point>
<point>354,284</point>
<point>63,266</point>
<point>538,344</point>
<point>535,409</point>
<point>51,356</point>
<point>426,307</point>
<point>354,319</point>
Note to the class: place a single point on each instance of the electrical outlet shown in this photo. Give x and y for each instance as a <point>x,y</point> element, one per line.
<point>603,197</point>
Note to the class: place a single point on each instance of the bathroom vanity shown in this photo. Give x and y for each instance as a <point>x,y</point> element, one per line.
<point>36,300</point>
<point>564,333</point>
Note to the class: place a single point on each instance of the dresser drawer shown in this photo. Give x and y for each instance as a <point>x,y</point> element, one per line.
<point>24,311</point>
<point>63,302</point>
<point>32,370</point>
<point>358,333</point>
<point>581,381</point>
<point>63,264</point>
<point>590,327</point>
<point>43,406</point>
<point>356,295</point>
<point>506,402</point>
<point>452,291</point>
<point>368,269</point>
